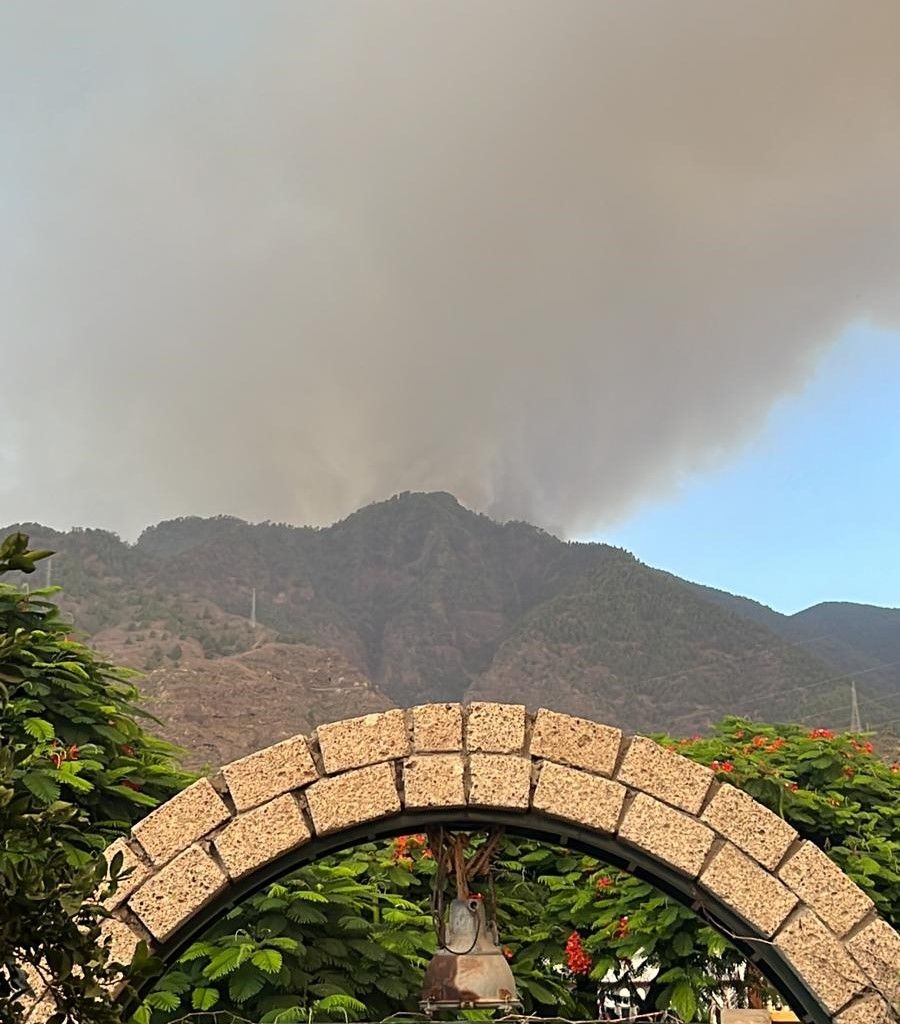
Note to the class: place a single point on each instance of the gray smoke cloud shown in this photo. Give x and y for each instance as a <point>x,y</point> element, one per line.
<point>281,259</point>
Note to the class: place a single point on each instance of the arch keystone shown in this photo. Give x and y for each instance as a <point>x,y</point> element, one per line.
<point>434,780</point>
<point>499,780</point>
<point>437,728</point>
<point>495,728</point>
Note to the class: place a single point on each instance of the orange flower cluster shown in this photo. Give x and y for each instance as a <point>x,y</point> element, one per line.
<point>722,766</point>
<point>578,960</point>
<point>821,734</point>
<point>60,755</point>
<point>404,845</point>
<point>622,928</point>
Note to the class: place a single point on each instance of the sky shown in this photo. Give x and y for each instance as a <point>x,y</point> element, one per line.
<point>587,264</point>
<point>809,509</point>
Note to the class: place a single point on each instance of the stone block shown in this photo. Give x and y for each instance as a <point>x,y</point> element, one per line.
<point>666,775</point>
<point>136,870</point>
<point>495,728</point>
<point>499,780</point>
<point>820,959</point>
<point>753,828</point>
<point>576,742</point>
<point>436,780</point>
<point>176,892</point>
<point>679,840</point>
<point>437,727</point>
<point>362,741</point>
<point>120,940</point>
<point>821,884</point>
<point>876,948</point>
<point>575,795</point>
<point>868,1010</point>
<point>353,798</point>
<point>181,821</point>
<point>268,773</point>
<point>261,835</point>
<point>751,892</point>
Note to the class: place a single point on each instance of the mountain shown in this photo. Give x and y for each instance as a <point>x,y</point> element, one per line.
<point>418,599</point>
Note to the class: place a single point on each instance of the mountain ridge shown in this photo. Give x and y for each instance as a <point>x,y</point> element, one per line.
<point>424,600</point>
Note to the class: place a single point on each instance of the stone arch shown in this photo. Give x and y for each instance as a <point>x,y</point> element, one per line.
<point>809,928</point>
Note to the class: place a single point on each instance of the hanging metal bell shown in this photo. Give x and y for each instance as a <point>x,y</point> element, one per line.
<point>469,970</point>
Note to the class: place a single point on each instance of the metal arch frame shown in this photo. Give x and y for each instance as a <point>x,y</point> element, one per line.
<point>531,825</point>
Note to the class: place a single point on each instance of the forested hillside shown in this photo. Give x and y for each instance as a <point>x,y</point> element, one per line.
<point>418,599</point>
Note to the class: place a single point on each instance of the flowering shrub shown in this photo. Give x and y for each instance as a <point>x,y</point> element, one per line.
<point>830,786</point>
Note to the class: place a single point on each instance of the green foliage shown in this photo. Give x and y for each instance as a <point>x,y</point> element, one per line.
<point>356,925</point>
<point>76,769</point>
<point>830,786</point>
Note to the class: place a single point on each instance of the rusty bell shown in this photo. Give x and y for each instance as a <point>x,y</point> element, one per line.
<point>469,970</point>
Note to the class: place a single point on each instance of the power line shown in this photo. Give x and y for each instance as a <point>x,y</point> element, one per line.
<point>866,702</point>
<point>809,686</point>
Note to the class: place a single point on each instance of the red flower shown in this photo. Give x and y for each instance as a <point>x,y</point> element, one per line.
<point>792,786</point>
<point>821,734</point>
<point>507,952</point>
<point>716,765</point>
<point>73,752</point>
<point>776,744</point>
<point>759,741</point>
<point>727,766</point>
<point>57,759</point>
<point>622,927</point>
<point>868,748</point>
<point>127,749</point>
<point>578,961</point>
<point>605,882</point>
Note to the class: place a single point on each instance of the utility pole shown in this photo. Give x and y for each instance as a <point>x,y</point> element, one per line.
<point>855,724</point>
<point>253,609</point>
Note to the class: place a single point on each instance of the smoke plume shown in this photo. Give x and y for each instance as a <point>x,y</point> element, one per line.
<point>280,259</point>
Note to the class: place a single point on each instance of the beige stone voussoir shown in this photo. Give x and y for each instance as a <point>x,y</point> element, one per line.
<point>499,780</point>
<point>868,1010</point>
<point>821,959</point>
<point>576,742</point>
<point>357,742</point>
<point>177,891</point>
<point>132,866</point>
<point>576,795</point>
<point>751,892</point>
<point>181,821</point>
<point>753,828</point>
<point>268,773</point>
<point>353,798</point>
<point>437,728</point>
<point>876,948</point>
<point>821,884</point>
<point>261,835</point>
<point>668,776</point>
<point>495,728</point>
<point>434,780</point>
<point>120,939</point>
<point>676,838</point>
